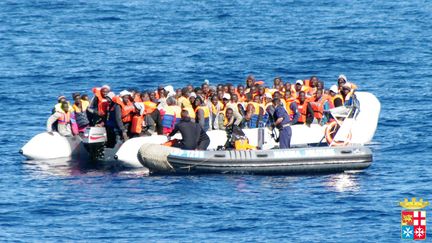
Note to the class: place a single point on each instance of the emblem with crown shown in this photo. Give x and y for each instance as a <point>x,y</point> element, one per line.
<point>414,204</point>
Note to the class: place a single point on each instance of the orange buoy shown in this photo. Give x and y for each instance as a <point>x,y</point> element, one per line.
<point>330,132</point>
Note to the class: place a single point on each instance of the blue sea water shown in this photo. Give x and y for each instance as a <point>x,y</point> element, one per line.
<point>49,48</point>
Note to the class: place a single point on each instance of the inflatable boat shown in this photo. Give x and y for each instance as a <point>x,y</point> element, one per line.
<point>166,160</point>
<point>357,128</point>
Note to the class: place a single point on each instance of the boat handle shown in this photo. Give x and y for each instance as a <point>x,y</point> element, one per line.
<point>261,155</point>
<point>219,155</point>
<point>346,151</point>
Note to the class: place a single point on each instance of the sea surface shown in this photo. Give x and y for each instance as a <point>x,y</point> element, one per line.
<point>50,48</point>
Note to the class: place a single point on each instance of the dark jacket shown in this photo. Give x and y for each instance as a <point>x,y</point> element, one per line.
<point>190,132</point>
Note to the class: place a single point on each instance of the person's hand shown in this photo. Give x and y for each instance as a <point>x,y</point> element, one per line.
<point>125,136</point>
<point>51,133</point>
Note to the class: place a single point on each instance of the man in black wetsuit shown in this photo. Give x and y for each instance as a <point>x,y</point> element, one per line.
<point>190,131</point>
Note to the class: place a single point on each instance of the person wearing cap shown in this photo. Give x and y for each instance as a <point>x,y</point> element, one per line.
<point>283,122</point>
<point>335,98</point>
<point>119,117</point>
<point>62,117</point>
<point>299,86</point>
<point>99,105</point>
<point>57,107</point>
<point>342,79</point>
<point>192,97</point>
<point>348,94</point>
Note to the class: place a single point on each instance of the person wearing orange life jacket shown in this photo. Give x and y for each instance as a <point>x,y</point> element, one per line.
<point>115,125</point>
<point>335,99</point>
<point>63,119</point>
<point>152,116</point>
<point>99,105</point>
<point>319,105</point>
<point>202,114</point>
<point>305,109</point>
<point>128,110</point>
<point>313,85</point>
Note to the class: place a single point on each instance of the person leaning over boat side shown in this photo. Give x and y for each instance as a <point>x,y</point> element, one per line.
<point>189,130</point>
<point>63,118</point>
<point>283,122</point>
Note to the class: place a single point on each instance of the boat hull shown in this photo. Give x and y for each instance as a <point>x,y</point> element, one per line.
<point>278,161</point>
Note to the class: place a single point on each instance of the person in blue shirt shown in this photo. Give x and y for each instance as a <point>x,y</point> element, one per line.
<point>283,122</point>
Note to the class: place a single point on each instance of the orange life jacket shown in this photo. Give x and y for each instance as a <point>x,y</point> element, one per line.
<point>302,108</point>
<point>136,126</point>
<point>127,110</point>
<point>102,102</point>
<point>318,108</point>
<point>149,107</point>
<point>64,119</point>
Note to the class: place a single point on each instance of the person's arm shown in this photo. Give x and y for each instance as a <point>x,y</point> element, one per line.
<point>53,118</point>
<point>174,131</point>
<point>309,114</point>
<point>93,107</point>
<point>296,116</point>
<point>200,117</point>
<point>118,118</point>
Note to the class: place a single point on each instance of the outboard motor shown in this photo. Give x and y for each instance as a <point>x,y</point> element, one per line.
<point>94,140</point>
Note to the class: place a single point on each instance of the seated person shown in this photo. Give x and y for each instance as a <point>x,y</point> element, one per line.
<point>190,131</point>
<point>63,118</point>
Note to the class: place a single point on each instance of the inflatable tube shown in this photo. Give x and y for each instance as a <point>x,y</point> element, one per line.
<point>46,146</point>
<point>154,157</point>
<point>160,159</point>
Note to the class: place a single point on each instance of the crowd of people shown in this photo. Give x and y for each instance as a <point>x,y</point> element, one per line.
<point>196,110</point>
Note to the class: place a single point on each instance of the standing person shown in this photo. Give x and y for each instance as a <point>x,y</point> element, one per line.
<point>283,122</point>
<point>125,101</point>
<point>189,130</point>
<point>99,105</point>
<point>114,124</point>
<point>305,109</point>
<point>63,118</point>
